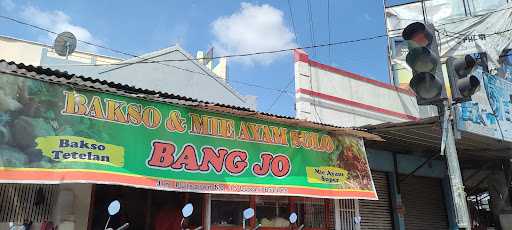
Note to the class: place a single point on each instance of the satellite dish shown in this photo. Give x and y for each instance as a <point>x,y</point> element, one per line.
<point>65,44</point>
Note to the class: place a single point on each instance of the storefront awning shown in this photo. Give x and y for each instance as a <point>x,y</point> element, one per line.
<point>424,137</point>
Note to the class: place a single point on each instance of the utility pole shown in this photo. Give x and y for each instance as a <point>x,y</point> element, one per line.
<point>428,84</point>
<point>455,177</point>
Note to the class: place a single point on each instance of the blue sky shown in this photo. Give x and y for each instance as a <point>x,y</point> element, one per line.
<point>143,26</point>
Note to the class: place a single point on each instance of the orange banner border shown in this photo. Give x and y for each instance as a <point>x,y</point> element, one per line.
<point>9,175</point>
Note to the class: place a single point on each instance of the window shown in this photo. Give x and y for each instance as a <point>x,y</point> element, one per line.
<point>166,209</point>
<point>311,212</point>
<point>21,203</point>
<point>145,209</point>
<point>133,207</point>
<point>272,211</point>
<point>226,210</point>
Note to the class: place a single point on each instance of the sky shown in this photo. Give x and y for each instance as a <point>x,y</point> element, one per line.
<point>231,27</point>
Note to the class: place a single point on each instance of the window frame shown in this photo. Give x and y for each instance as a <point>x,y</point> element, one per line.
<point>292,201</point>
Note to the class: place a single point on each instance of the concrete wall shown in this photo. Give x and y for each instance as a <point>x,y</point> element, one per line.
<point>33,53</point>
<point>20,51</point>
<point>334,96</point>
<point>189,78</point>
<point>72,210</point>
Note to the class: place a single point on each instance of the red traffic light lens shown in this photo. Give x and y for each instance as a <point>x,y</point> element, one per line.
<point>418,33</point>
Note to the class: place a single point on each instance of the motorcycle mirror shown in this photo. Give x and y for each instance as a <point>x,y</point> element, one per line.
<point>293,218</point>
<point>248,213</point>
<point>187,210</point>
<point>114,207</point>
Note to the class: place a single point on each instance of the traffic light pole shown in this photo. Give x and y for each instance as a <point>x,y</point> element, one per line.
<point>456,183</point>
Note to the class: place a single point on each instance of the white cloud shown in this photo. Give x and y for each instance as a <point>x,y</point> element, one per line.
<point>253,28</point>
<point>58,21</point>
<point>7,5</point>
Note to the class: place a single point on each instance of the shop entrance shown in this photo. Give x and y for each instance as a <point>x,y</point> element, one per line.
<point>161,210</point>
<point>144,209</point>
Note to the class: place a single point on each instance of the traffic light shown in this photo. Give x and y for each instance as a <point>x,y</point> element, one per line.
<point>463,84</point>
<point>423,58</point>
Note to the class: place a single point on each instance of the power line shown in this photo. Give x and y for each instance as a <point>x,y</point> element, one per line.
<point>329,28</point>
<point>447,33</point>
<point>311,26</point>
<point>53,32</point>
<point>256,53</point>
<point>460,20</point>
<point>280,94</point>
<point>215,57</point>
<point>312,36</point>
<point>293,23</point>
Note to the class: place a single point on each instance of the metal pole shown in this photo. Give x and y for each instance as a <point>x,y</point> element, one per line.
<point>391,76</point>
<point>456,184</point>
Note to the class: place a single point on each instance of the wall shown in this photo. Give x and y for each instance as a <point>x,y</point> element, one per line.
<point>329,95</point>
<point>20,51</point>
<point>190,79</point>
<point>68,205</point>
<point>33,53</point>
<point>72,210</point>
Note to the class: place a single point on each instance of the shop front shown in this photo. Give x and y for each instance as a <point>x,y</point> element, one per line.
<point>147,155</point>
<point>155,209</point>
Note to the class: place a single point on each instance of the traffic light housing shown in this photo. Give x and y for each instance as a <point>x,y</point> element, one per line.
<point>463,84</point>
<point>423,58</point>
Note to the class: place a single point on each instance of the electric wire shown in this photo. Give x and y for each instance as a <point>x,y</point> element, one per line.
<point>270,51</point>
<point>276,99</point>
<point>293,23</point>
<point>312,36</point>
<point>222,56</point>
<point>55,33</point>
<point>459,20</point>
<point>329,28</point>
<point>460,35</point>
<point>312,46</point>
<point>311,26</point>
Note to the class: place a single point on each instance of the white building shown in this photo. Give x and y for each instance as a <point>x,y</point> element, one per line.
<point>330,95</point>
<point>188,78</point>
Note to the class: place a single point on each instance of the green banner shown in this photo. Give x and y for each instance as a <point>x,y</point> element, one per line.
<point>52,133</point>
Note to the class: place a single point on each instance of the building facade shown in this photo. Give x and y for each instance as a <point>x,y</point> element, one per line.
<point>327,94</point>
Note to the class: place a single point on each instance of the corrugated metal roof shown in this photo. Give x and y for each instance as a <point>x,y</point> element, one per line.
<point>424,137</point>
<point>56,76</point>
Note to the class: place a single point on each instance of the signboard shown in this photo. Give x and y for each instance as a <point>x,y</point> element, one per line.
<point>53,133</point>
<point>460,30</point>
<point>489,112</point>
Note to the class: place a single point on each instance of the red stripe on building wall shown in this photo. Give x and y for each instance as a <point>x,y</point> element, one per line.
<point>301,56</point>
<point>357,104</point>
